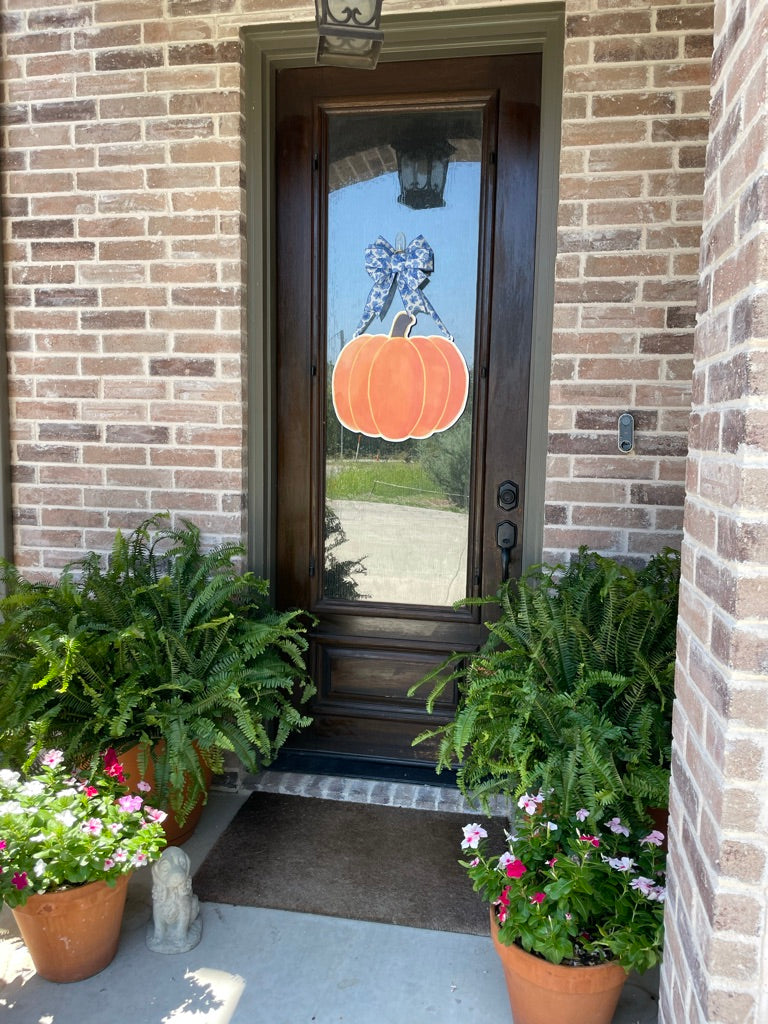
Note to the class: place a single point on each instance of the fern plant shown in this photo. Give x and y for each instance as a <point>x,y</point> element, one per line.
<point>572,692</point>
<point>166,643</point>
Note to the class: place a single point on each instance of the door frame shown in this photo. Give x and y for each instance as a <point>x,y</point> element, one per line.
<point>433,34</point>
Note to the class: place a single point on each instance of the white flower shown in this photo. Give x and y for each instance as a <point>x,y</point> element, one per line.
<point>32,788</point>
<point>472,835</point>
<point>39,867</point>
<point>11,807</point>
<point>504,859</point>
<point>66,817</point>
<point>582,814</point>
<point>8,778</point>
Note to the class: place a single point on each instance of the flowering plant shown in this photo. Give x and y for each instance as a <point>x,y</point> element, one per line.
<point>58,830</point>
<point>573,891</point>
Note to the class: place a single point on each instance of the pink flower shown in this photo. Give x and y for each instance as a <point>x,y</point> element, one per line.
<point>472,836</point>
<point>644,885</point>
<point>108,863</point>
<point>20,878</point>
<point>551,863</point>
<point>112,766</point>
<point>538,897</point>
<point>589,839</point>
<point>654,838</point>
<point>121,856</point>
<point>503,905</point>
<point>621,863</point>
<point>154,814</point>
<point>616,827</point>
<point>129,803</point>
<point>93,826</point>
<point>139,859</point>
<point>51,760</point>
<point>516,869</point>
<point>582,814</point>
<point>90,791</point>
<point>529,802</point>
<point>142,786</point>
<point>3,844</point>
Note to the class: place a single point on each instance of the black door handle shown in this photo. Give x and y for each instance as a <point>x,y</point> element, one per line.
<point>506,539</point>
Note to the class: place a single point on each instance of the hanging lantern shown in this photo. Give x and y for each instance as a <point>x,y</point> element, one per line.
<point>349,32</point>
<point>422,167</point>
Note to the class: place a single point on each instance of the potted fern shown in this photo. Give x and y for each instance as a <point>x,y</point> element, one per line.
<point>168,647</point>
<point>572,692</point>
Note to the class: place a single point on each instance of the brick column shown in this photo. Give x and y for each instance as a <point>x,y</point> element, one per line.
<point>716,961</point>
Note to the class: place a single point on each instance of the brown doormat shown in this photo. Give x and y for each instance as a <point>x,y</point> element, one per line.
<point>388,864</point>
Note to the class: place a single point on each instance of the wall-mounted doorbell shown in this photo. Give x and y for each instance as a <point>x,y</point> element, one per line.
<point>626,432</point>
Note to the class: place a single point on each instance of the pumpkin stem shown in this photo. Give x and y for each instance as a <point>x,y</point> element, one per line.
<point>402,324</point>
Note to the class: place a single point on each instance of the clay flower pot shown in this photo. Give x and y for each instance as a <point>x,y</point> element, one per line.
<point>545,993</point>
<point>73,934</point>
<point>175,833</point>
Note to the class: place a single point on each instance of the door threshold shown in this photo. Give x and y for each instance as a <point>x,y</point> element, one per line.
<point>351,767</point>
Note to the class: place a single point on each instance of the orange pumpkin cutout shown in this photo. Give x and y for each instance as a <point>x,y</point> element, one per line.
<point>396,387</point>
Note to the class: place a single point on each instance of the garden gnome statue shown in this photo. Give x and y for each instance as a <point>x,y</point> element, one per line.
<point>176,925</point>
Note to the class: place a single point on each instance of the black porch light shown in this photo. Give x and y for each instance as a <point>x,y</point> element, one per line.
<point>422,167</point>
<point>349,32</point>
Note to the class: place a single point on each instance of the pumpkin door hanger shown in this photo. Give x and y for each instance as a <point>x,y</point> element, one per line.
<point>398,387</point>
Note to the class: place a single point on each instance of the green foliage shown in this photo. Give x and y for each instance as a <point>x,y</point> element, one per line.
<point>447,457</point>
<point>394,481</point>
<point>168,642</point>
<point>573,690</point>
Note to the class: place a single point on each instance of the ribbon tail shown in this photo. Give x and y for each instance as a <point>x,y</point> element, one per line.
<point>377,302</point>
<point>415,301</point>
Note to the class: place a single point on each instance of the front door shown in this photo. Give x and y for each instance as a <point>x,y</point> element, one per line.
<point>406,226</point>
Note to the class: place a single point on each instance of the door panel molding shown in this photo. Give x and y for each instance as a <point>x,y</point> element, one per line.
<point>437,34</point>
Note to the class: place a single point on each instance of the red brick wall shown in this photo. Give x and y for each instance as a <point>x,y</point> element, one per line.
<point>636,93</point>
<point>123,215</point>
<point>716,963</point>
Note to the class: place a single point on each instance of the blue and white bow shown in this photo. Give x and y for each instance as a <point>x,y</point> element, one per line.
<point>410,268</point>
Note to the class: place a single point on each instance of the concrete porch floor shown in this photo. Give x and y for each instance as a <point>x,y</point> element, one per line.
<point>257,966</point>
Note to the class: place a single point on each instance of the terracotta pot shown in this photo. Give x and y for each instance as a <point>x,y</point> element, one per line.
<point>72,934</point>
<point>545,993</point>
<point>175,833</point>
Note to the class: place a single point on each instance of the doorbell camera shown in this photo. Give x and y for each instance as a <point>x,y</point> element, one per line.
<point>626,432</point>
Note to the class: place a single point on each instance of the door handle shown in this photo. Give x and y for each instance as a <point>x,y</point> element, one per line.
<point>506,539</point>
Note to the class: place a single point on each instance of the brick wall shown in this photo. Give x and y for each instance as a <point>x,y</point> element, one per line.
<point>716,963</point>
<point>123,217</point>
<point>636,93</point>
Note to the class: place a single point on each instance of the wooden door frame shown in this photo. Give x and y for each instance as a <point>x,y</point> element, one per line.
<point>434,34</point>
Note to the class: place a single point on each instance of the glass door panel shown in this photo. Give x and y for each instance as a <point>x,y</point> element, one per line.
<point>402,227</point>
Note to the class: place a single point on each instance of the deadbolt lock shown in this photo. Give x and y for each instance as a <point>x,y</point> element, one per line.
<point>508,495</point>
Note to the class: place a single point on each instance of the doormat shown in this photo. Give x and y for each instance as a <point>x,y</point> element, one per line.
<point>362,861</point>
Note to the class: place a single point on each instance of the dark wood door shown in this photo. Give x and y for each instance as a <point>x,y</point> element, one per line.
<point>414,182</point>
